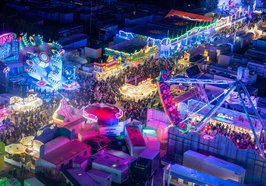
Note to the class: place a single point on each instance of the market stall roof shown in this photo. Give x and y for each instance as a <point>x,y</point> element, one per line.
<point>65,152</point>
<point>189,16</point>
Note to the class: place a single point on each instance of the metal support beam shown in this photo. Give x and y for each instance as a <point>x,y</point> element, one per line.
<point>252,105</point>
<point>250,122</point>
<point>204,94</point>
<point>214,109</point>
<point>208,104</point>
<point>199,81</point>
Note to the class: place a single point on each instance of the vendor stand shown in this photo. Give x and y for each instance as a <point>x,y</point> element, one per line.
<point>29,103</point>
<point>138,89</point>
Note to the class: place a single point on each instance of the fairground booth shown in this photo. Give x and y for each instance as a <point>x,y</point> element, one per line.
<point>18,104</point>
<point>138,88</point>
<point>131,48</point>
<point>113,67</point>
<point>179,30</point>
<point>235,119</point>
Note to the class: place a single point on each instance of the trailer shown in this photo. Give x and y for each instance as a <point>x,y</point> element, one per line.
<point>146,165</point>
<point>134,140</point>
<point>214,166</point>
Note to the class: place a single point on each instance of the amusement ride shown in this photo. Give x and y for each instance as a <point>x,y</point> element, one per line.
<point>230,92</point>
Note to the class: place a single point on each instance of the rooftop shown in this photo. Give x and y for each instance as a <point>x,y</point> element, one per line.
<point>174,24</point>
<point>225,165</point>
<point>131,48</point>
<point>189,16</point>
<point>135,136</point>
<point>111,161</point>
<point>149,153</point>
<point>65,152</point>
<point>99,173</point>
<point>200,177</point>
<point>73,38</point>
<point>79,177</point>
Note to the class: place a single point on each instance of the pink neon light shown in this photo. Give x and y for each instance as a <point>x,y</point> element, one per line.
<point>8,37</point>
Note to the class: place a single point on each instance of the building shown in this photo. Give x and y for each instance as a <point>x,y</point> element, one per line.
<point>33,182</point>
<point>107,32</point>
<point>70,30</point>
<point>102,178</point>
<point>49,138</point>
<point>138,17</point>
<point>74,41</point>
<point>222,147</point>
<point>257,66</point>
<point>63,156</point>
<point>214,166</point>
<point>180,175</point>
<point>134,140</point>
<point>78,177</point>
<point>117,166</point>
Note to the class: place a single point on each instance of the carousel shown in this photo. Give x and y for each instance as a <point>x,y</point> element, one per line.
<point>102,113</point>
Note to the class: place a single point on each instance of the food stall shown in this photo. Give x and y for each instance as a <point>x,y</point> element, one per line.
<point>29,103</point>
<point>138,90</point>
<point>110,68</point>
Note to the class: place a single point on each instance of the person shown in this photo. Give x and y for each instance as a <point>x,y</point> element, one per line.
<point>14,172</point>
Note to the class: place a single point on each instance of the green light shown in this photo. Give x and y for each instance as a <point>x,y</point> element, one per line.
<point>149,132</point>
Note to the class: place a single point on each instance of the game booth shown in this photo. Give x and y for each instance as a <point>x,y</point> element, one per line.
<point>235,119</point>
<point>111,68</point>
<point>72,118</point>
<point>132,51</point>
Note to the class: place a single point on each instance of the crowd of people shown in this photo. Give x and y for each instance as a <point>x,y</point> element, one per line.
<point>241,138</point>
<point>107,91</point>
<point>22,124</point>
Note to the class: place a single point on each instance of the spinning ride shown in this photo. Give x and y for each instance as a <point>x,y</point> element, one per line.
<point>43,62</point>
<point>212,102</point>
<point>102,113</point>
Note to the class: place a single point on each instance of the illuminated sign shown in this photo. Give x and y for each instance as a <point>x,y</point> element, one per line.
<point>223,21</point>
<point>224,116</point>
<point>8,37</point>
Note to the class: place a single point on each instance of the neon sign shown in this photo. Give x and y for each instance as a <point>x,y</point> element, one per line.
<point>8,37</point>
<point>223,21</point>
<point>224,116</point>
<point>126,35</point>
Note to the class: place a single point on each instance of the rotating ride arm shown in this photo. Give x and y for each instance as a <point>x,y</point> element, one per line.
<point>249,119</point>
<point>202,123</point>
<point>252,105</point>
<point>199,81</point>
